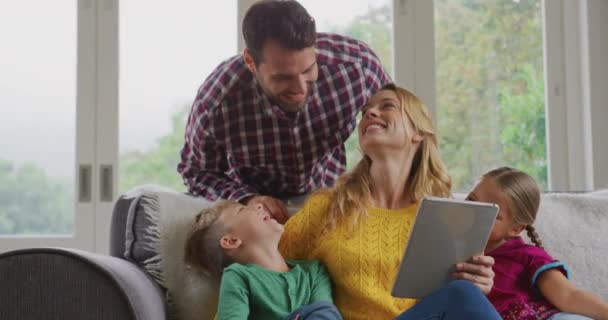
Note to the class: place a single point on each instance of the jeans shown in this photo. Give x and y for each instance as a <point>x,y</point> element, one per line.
<point>568,316</point>
<point>320,310</point>
<point>460,299</point>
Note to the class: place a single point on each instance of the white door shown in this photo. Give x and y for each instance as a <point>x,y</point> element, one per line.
<point>46,125</point>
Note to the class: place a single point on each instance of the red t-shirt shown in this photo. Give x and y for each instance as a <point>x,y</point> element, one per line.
<point>517,267</point>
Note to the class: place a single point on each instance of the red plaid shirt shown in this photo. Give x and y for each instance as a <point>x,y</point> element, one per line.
<point>238,144</point>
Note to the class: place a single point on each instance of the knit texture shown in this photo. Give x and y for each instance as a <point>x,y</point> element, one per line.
<point>362,263</point>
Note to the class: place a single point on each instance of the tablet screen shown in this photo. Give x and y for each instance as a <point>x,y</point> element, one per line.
<point>445,232</point>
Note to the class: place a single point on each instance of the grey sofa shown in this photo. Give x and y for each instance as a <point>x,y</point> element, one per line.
<point>56,283</point>
<point>59,283</point>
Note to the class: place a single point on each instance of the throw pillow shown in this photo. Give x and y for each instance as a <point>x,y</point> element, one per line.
<point>157,226</point>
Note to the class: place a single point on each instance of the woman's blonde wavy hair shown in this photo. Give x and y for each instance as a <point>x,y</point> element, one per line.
<point>353,192</point>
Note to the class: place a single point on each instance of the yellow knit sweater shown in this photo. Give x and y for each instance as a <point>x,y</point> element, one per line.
<point>362,264</point>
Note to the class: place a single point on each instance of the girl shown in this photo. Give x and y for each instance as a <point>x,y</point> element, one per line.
<point>528,283</point>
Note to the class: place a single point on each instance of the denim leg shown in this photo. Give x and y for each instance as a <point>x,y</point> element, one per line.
<point>320,310</point>
<point>568,316</point>
<point>460,299</point>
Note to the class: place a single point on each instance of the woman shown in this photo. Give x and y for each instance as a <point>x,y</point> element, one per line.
<point>359,228</point>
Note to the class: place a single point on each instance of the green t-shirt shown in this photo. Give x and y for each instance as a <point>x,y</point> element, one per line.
<point>252,292</point>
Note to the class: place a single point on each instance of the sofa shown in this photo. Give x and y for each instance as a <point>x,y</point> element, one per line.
<point>63,283</point>
<point>143,277</point>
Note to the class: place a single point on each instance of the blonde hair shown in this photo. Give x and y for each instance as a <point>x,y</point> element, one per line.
<point>202,250</point>
<point>523,197</point>
<point>428,176</point>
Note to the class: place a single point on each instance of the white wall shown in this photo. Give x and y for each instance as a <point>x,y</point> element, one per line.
<point>576,38</point>
<point>597,15</point>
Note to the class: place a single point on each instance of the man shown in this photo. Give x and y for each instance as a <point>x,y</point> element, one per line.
<point>271,123</point>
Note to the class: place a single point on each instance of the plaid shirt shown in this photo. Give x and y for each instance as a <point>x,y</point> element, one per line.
<point>238,144</point>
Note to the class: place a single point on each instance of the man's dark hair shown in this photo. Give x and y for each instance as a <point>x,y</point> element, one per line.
<point>284,21</point>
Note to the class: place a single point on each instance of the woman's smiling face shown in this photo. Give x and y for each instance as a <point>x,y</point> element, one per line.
<point>384,123</point>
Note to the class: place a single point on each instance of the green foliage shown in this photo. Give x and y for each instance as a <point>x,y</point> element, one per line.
<point>353,152</point>
<point>523,129</point>
<point>33,203</point>
<point>490,92</point>
<point>490,99</point>
<point>157,165</point>
<point>374,28</point>
<point>489,81</point>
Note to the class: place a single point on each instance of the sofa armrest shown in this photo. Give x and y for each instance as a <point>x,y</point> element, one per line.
<point>57,283</point>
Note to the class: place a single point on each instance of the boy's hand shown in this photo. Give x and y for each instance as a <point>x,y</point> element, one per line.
<point>479,271</point>
<point>275,207</point>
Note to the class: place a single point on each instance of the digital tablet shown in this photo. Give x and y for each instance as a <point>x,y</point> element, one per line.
<point>445,232</point>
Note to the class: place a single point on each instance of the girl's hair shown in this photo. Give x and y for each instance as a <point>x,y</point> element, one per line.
<point>202,250</point>
<point>428,176</point>
<point>523,197</point>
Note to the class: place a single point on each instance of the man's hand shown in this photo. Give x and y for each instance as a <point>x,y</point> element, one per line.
<point>275,207</point>
<point>479,271</point>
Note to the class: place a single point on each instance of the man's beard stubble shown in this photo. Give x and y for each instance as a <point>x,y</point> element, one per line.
<point>283,105</point>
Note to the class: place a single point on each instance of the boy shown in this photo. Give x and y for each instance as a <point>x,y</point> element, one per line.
<point>240,244</point>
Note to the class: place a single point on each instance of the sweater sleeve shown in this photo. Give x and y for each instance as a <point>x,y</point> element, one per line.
<point>301,230</point>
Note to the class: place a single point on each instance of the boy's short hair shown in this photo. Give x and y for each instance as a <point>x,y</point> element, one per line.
<point>203,251</point>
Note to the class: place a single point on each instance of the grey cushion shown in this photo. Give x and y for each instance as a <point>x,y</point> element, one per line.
<point>127,235</point>
<point>138,244</point>
<point>118,227</point>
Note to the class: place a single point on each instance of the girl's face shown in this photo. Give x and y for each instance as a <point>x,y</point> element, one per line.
<point>486,190</point>
<point>384,124</point>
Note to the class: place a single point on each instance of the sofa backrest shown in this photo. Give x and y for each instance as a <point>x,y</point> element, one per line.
<point>572,228</point>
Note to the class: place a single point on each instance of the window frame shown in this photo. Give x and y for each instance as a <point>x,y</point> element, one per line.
<point>571,147</point>
<point>569,140</point>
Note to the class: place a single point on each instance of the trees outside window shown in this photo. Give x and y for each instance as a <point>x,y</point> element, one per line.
<point>490,110</point>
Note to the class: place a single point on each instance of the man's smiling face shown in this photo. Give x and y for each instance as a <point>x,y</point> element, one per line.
<point>286,75</point>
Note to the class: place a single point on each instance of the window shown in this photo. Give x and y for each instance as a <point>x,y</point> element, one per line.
<point>38,123</point>
<point>490,87</point>
<point>478,64</point>
<point>370,21</point>
<point>164,58</point>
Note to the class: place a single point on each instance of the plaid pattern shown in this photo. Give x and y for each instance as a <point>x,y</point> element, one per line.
<point>238,144</point>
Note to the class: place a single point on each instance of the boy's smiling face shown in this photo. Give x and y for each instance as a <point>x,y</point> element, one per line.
<point>251,223</point>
